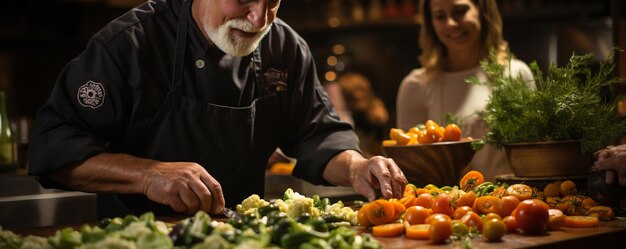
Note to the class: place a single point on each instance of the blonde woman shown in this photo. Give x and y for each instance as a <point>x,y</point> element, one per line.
<point>455,36</point>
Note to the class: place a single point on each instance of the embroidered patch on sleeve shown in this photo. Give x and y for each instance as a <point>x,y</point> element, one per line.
<point>91,94</point>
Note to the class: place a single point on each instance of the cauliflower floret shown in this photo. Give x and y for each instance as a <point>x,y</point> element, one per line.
<point>335,209</point>
<point>251,204</point>
<point>282,206</point>
<point>296,207</point>
<point>349,215</point>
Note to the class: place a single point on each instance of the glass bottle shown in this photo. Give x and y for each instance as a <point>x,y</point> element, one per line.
<point>8,147</point>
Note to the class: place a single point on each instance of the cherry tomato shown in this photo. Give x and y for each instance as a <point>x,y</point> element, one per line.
<point>443,204</point>
<point>380,212</point>
<point>568,187</point>
<point>551,190</point>
<point>417,215</point>
<point>511,224</point>
<point>388,230</point>
<point>433,130</point>
<point>460,211</point>
<point>432,217</point>
<point>403,138</point>
<point>494,229</point>
<point>556,220</point>
<point>407,201</point>
<point>531,216</point>
<point>521,191</point>
<point>362,216</point>
<point>440,230</point>
<point>424,138</point>
<point>472,220</point>
<point>451,133</point>
<point>389,142</point>
<point>420,231</point>
<point>394,133</point>
<point>425,200</point>
<point>471,180</point>
<point>398,209</point>
<point>581,221</point>
<point>486,204</point>
<point>466,200</point>
<point>506,205</point>
<point>409,190</point>
<point>459,228</point>
<point>490,216</point>
<point>601,212</point>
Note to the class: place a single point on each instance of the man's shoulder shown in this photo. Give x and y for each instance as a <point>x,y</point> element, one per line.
<point>283,34</point>
<point>136,21</point>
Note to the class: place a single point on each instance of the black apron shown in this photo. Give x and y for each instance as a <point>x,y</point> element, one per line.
<point>232,143</point>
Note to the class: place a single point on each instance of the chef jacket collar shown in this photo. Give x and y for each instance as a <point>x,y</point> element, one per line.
<point>197,42</point>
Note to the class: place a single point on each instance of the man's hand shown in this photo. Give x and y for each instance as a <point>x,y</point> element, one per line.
<point>366,176</point>
<point>613,161</point>
<point>186,187</point>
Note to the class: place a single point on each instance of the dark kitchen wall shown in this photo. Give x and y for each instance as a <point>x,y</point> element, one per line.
<point>38,37</point>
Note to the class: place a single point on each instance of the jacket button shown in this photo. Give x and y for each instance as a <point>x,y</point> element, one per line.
<point>200,63</point>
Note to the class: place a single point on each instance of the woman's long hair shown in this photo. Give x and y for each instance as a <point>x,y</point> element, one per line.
<point>434,51</point>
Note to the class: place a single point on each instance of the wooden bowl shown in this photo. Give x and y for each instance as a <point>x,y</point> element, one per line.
<point>441,164</point>
<point>546,159</point>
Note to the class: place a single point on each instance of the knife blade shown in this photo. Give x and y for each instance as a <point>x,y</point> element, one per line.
<point>231,214</point>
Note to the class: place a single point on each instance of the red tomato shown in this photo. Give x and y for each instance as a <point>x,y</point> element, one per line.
<point>443,205</point>
<point>531,216</point>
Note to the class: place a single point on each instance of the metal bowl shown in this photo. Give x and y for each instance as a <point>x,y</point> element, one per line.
<point>441,164</point>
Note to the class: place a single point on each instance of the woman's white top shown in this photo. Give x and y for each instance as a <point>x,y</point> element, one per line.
<point>421,98</point>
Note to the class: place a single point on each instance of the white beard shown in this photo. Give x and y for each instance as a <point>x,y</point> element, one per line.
<point>235,45</point>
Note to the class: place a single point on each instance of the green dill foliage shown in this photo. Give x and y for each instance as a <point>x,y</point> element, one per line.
<point>565,106</point>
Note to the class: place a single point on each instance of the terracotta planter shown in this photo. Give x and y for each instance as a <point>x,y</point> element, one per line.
<point>544,159</point>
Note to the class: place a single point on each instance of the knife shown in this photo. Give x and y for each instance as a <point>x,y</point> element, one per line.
<point>231,214</point>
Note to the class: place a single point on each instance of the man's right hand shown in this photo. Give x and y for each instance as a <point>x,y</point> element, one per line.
<point>186,187</point>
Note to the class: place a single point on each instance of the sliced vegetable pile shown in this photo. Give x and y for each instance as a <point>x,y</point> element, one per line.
<point>477,207</point>
<point>295,221</point>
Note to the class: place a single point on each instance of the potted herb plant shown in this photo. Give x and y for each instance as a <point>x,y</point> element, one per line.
<point>554,129</point>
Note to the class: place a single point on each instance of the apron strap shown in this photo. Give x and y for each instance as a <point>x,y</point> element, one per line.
<point>257,64</point>
<point>181,42</point>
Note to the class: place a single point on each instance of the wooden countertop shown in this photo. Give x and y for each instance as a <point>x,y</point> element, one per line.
<point>610,234</point>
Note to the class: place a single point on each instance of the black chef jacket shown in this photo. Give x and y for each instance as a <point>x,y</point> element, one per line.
<point>110,96</point>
